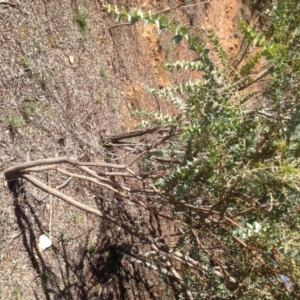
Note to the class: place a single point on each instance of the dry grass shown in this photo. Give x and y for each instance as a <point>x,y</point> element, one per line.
<point>50,90</point>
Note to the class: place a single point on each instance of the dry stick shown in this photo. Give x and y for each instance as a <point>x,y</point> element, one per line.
<point>148,265</point>
<point>116,184</point>
<point>53,168</point>
<point>268,115</point>
<point>112,183</point>
<point>196,265</point>
<point>60,160</point>
<point>192,5</point>
<point>83,177</point>
<point>203,269</point>
<point>96,164</point>
<point>11,240</point>
<point>148,147</point>
<point>180,280</point>
<point>259,76</point>
<point>206,211</point>
<point>87,170</point>
<point>175,7</point>
<point>84,207</point>
<point>40,162</point>
<point>133,201</point>
<point>58,194</point>
<point>172,272</point>
<point>189,261</point>
<point>132,134</point>
<point>119,174</point>
<point>50,211</point>
<point>153,144</point>
<point>8,3</point>
<point>63,185</point>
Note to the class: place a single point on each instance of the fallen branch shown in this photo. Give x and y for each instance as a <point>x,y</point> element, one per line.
<point>8,3</point>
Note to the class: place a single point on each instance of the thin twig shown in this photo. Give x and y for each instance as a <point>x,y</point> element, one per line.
<point>11,240</point>
<point>182,5</point>
<point>127,227</point>
<point>192,5</point>
<point>8,3</point>
<point>172,8</point>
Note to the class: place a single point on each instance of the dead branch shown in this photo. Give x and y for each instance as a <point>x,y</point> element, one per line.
<point>130,186</point>
<point>132,134</point>
<point>8,3</point>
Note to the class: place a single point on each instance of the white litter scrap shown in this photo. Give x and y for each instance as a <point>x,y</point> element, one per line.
<point>44,242</point>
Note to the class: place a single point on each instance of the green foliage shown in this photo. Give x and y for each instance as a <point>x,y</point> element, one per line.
<point>17,293</point>
<point>162,23</point>
<point>39,47</point>
<point>242,165</point>
<point>30,107</point>
<point>78,218</point>
<point>82,20</point>
<point>251,63</point>
<point>15,121</point>
<point>26,62</point>
<point>48,277</point>
<point>92,249</point>
<point>217,46</point>
<point>103,73</point>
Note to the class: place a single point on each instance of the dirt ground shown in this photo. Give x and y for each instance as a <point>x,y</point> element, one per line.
<point>60,89</point>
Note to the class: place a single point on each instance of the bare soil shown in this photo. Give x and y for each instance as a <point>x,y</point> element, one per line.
<point>61,88</point>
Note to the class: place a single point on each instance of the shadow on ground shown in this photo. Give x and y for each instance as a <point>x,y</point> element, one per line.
<point>96,271</point>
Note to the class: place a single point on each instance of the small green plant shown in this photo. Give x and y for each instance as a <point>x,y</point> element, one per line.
<point>92,249</point>
<point>26,61</point>
<point>38,46</point>
<point>110,93</point>
<point>99,99</point>
<point>43,78</point>
<point>81,19</point>
<point>103,73</point>
<point>78,217</point>
<point>15,121</point>
<point>17,293</point>
<point>29,109</point>
<point>47,276</point>
<point>53,40</point>
<point>113,106</point>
